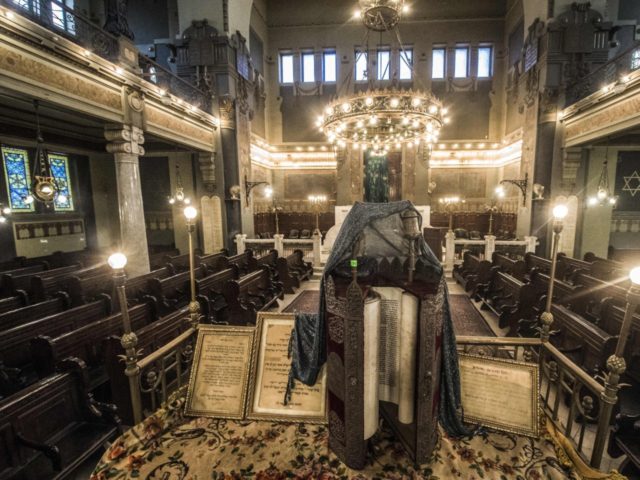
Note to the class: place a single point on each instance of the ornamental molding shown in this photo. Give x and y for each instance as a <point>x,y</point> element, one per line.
<point>124,139</point>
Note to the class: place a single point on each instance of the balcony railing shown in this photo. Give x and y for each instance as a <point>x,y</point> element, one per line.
<point>56,16</point>
<point>607,76</point>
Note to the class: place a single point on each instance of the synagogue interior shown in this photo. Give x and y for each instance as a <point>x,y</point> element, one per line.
<point>338,239</point>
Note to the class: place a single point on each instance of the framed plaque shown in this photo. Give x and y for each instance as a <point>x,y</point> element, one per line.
<point>500,393</point>
<point>270,374</point>
<point>220,372</point>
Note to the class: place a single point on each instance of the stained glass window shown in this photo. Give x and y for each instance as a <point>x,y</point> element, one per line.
<point>60,172</point>
<point>635,59</point>
<point>16,171</point>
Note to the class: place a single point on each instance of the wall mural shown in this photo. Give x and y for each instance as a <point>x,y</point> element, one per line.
<point>301,185</point>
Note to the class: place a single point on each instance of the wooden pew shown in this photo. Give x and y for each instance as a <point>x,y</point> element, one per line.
<point>14,283</point>
<point>510,299</point>
<point>244,261</point>
<point>15,342</point>
<point>214,262</point>
<point>210,296</point>
<point>533,262</point>
<point>86,343</point>
<point>137,288</point>
<point>47,284</point>
<point>598,293</point>
<point>13,318</point>
<point>585,343</point>
<point>5,282</point>
<point>180,263</point>
<point>625,440</point>
<point>268,260</point>
<point>605,269</point>
<point>83,290</point>
<point>173,292</point>
<point>515,268</point>
<point>150,338</point>
<point>292,270</point>
<point>570,296</point>
<point>52,427</point>
<point>567,267</point>
<point>611,321</point>
<point>21,299</point>
<point>471,272</point>
<point>158,259</point>
<point>249,294</point>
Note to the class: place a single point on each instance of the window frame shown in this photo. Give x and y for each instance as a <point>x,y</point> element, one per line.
<point>326,53</point>
<point>281,57</point>
<point>27,180</point>
<point>407,64</point>
<point>303,70</point>
<point>361,54</point>
<point>443,50</point>
<point>490,64</point>
<point>385,74</point>
<point>460,48</point>
<point>67,22</point>
<point>65,182</point>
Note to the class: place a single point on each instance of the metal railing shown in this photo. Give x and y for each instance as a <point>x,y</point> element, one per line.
<point>162,372</point>
<point>66,22</point>
<point>579,406</point>
<point>291,245</point>
<point>605,76</point>
<point>484,248</point>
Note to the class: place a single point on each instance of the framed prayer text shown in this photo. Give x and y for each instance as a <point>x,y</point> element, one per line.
<point>500,393</point>
<point>270,375</point>
<point>220,372</point>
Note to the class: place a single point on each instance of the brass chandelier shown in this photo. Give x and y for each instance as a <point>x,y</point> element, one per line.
<point>382,117</point>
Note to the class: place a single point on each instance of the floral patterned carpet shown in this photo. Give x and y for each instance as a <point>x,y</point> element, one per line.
<point>169,446</point>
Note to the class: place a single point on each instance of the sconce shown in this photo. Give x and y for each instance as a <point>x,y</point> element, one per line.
<point>522,185</point>
<point>248,186</point>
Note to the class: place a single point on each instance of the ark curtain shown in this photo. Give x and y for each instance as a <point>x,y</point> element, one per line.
<point>376,179</point>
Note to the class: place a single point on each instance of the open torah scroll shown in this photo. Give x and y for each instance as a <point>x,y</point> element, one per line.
<point>390,349</point>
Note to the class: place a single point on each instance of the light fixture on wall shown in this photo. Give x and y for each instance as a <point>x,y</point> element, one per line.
<point>383,117</point>
<point>248,186</point>
<point>179,198</point>
<point>603,194</point>
<point>44,187</point>
<point>522,184</point>
<point>4,213</point>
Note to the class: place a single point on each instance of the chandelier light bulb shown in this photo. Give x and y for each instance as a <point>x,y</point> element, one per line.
<point>634,275</point>
<point>613,200</point>
<point>346,107</point>
<point>602,194</point>
<point>187,201</point>
<point>329,111</point>
<point>433,109</point>
<point>415,101</point>
<point>394,102</point>
<point>368,101</point>
<point>592,201</point>
<point>6,211</point>
<point>560,212</point>
<point>172,201</point>
<point>3,219</point>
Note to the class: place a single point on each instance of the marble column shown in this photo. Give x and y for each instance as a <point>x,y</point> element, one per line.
<point>125,143</point>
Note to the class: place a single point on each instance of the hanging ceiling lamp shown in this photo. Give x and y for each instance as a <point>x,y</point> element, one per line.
<point>179,198</point>
<point>382,117</point>
<point>603,194</point>
<point>44,187</point>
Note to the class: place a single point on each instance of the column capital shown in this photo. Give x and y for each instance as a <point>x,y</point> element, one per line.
<point>124,139</point>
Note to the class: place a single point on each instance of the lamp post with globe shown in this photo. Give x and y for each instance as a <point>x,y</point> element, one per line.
<point>559,213</point>
<point>190,214</point>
